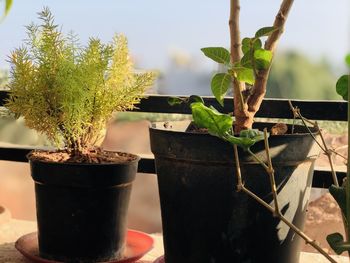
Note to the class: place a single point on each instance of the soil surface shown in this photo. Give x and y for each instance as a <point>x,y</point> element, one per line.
<point>89,156</point>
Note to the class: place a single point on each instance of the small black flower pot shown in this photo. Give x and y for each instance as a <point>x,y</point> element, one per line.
<point>82,209</point>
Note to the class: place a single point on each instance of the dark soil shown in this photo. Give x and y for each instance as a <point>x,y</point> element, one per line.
<point>89,156</point>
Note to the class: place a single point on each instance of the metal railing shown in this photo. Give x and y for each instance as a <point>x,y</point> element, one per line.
<point>270,108</point>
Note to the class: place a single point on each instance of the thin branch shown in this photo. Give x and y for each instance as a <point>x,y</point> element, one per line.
<point>235,38</point>
<point>279,23</point>
<point>307,239</point>
<point>324,147</point>
<point>238,170</point>
<point>259,88</point>
<point>241,187</point>
<point>328,152</point>
<point>271,173</point>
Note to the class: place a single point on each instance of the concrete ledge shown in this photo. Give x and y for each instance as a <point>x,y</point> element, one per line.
<point>12,229</point>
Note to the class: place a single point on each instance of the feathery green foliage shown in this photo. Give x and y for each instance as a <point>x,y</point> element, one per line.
<point>68,92</point>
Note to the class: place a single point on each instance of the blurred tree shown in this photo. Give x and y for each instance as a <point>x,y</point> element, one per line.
<point>295,76</point>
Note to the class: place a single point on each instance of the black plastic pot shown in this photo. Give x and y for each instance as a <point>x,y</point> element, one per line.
<point>81,209</point>
<point>206,220</point>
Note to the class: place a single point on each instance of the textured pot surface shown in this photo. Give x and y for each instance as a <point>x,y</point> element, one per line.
<point>206,220</point>
<point>81,209</point>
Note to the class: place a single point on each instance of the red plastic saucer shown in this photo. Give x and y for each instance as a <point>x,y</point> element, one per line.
<point>137,245</point>
<point>159,260</point>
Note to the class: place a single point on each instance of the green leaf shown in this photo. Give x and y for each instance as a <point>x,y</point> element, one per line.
<point>172,101</point>
<point>257,44</point>
<point>220,125</point>
<point>246,139</point>
<point>262,58</point>
<point>217,123</point>
<point>250,43</point>
<point>8,4</point>
<point>219,86</point>
<point>339,195</point>
<point>253,134</point>
<point>246,61</point>
<point>218,54</point>
<point>347,60</point>
<point>196,98</point>
<point>246,45</point>
<point>342,86</point>
<point>265,31</point>
<point>245,74</point>
<point>336,242</point>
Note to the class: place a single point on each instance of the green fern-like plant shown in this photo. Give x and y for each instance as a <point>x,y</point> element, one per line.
<point>69,92</point>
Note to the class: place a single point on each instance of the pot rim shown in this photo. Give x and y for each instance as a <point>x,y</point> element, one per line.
<point>160,126</point>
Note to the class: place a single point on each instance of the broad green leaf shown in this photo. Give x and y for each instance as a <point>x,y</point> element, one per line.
<point>246,45</point>
<point>246,61</point>
<point>265,31</point>
<point>257,44</point>
<point>339,195</point>
<point>262,58</point>
<point>336,242</point>
<point>244,143</point>
<point>196,98</point>
<point>172,101</point>
<point>245,74</point>
<point>250,43</point>
<point>347,60</point>
<point>253,134</point>
<point>342,86</point>
<point>220,125</point>
<point>217,123</point>
<point>246,138</point>
<point>219,86</point>
<point>218,54</point>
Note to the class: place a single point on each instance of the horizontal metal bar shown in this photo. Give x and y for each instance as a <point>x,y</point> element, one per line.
<point>270,108</point>
<point>322,178</point>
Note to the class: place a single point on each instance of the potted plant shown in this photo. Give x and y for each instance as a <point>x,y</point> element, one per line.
<point>68,93</point>
<point>205,218</point>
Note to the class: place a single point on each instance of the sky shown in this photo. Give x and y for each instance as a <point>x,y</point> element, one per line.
<point>157,28</point>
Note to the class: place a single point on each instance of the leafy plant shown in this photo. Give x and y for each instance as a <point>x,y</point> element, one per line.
<point>248,72</point>
<point>69,92</point>
<point>342,193</point>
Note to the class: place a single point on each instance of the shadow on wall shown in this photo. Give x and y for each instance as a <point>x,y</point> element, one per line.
<point>17,188</point>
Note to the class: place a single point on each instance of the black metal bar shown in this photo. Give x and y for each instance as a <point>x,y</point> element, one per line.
<point>270,108</point>
<point>322,179</point>
<point>14,154</point>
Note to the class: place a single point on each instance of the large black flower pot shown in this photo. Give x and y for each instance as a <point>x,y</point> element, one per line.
<point>81,209</point>
<point>206,220</point>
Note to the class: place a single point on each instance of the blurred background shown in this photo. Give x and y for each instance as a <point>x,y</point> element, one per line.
<point>167,36</point>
